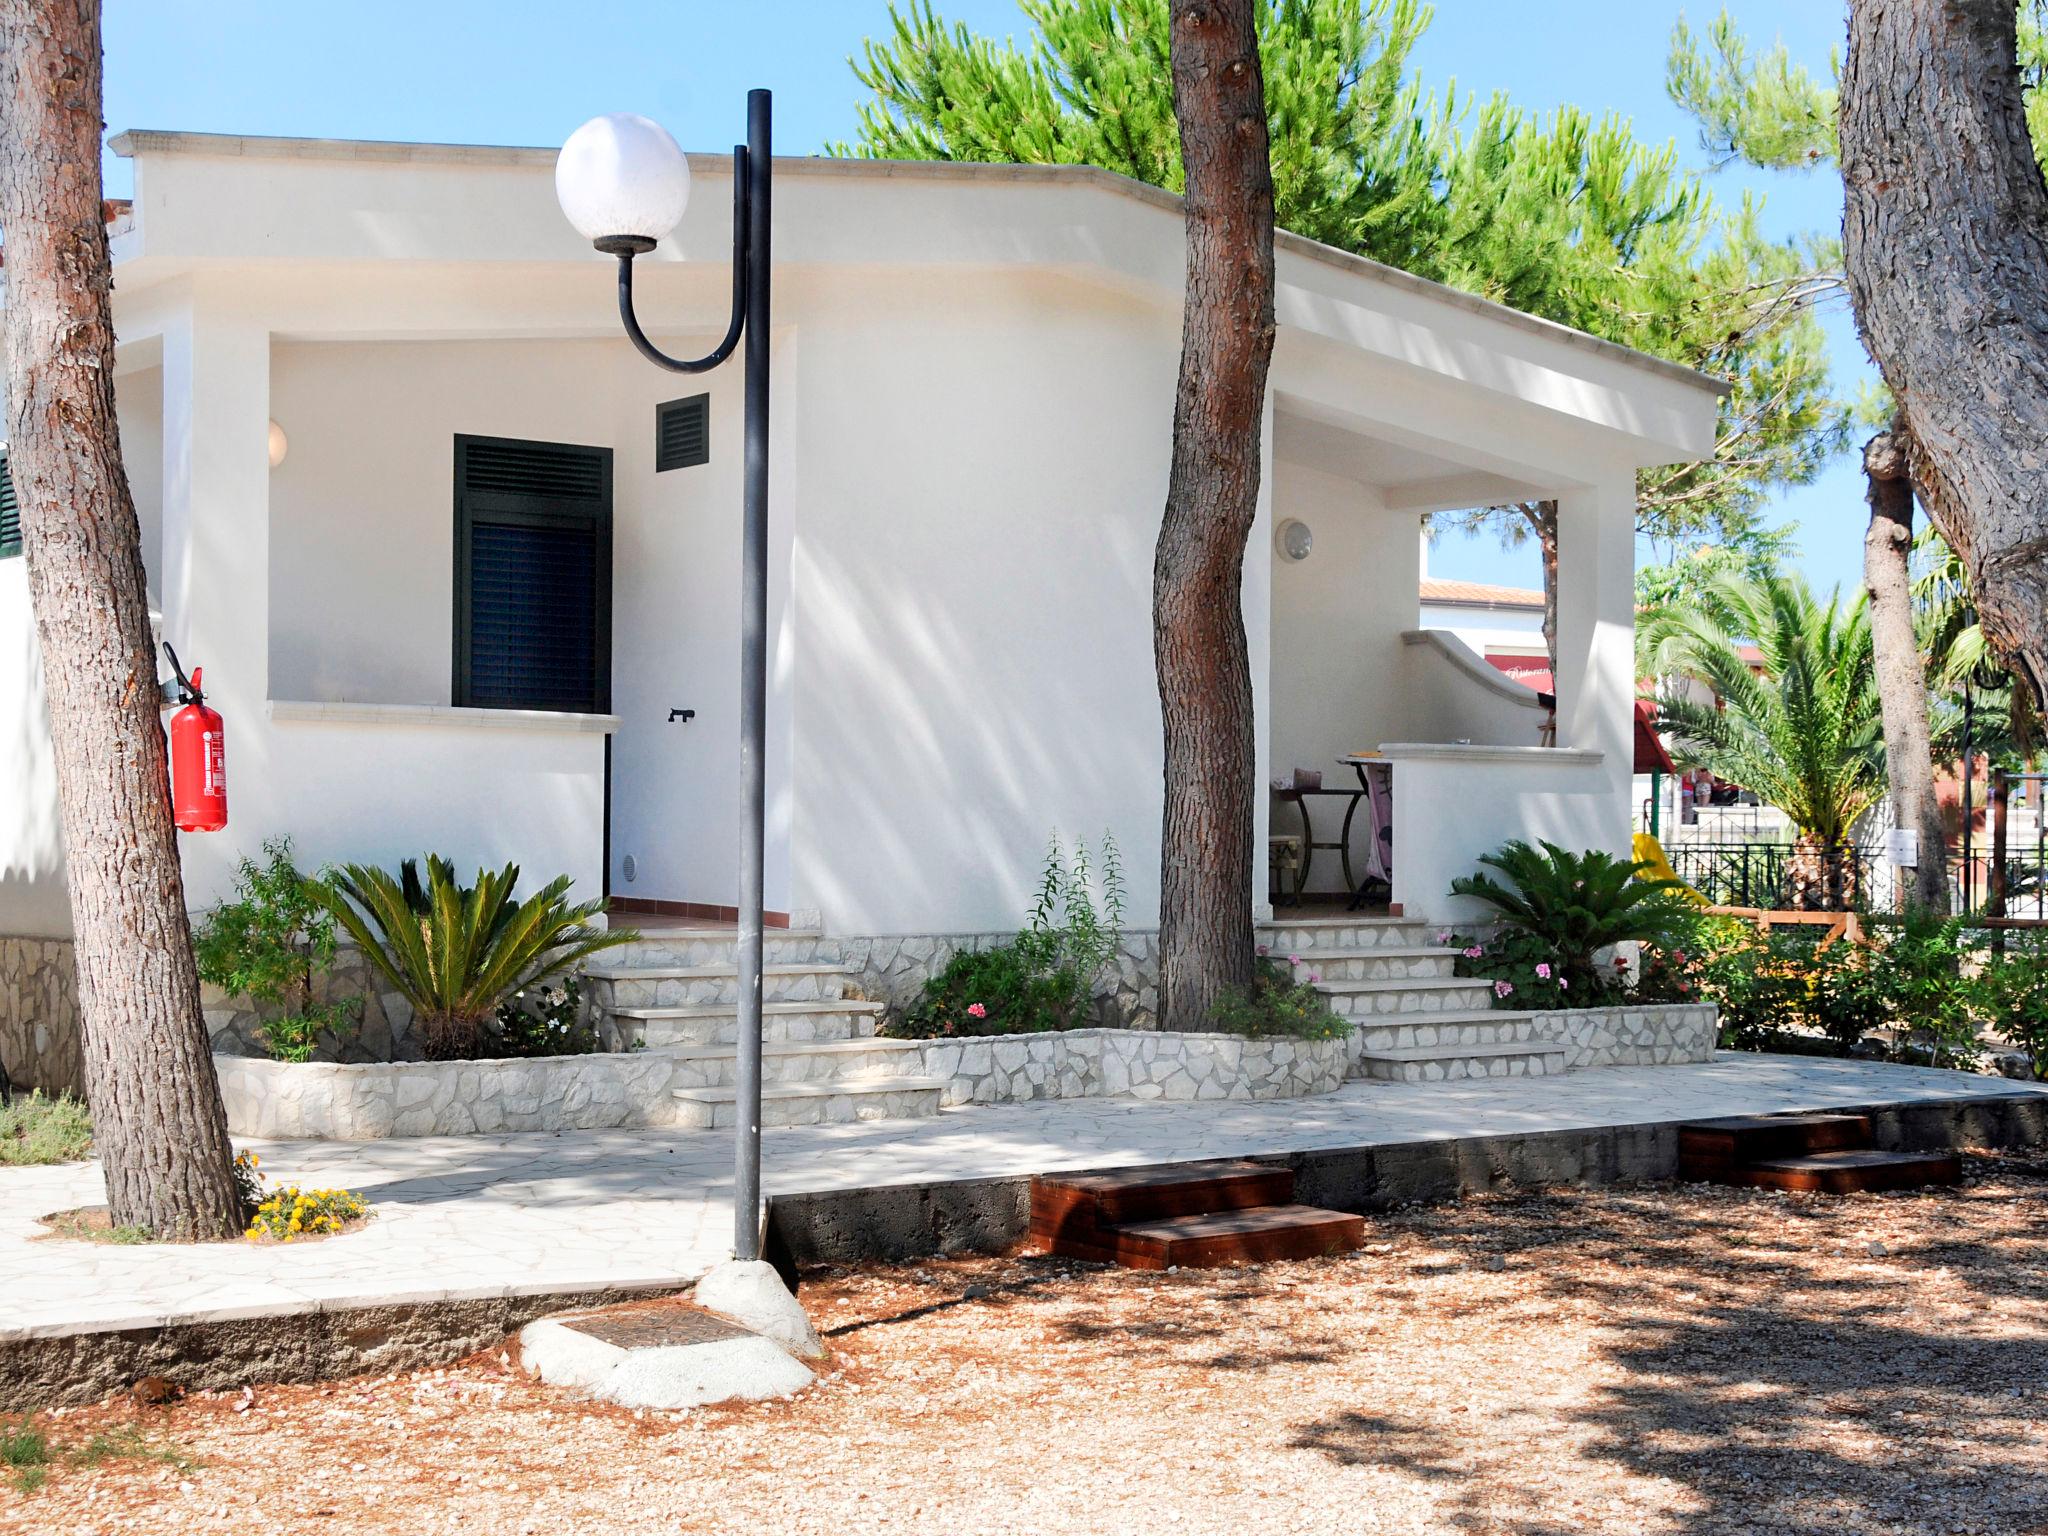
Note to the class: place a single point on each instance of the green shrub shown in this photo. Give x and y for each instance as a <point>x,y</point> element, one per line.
<point>1044,978</point>
<point>543,1021</point>
<point>1276,1006</point>
<point>2010,996</point>
<point>1527,973</point>
<point>1574,905</point>
<point>1916,981</point>
<point>457,951</point>
<point>268,944</point>
<point>36,1128</point>
<point>999,991</point>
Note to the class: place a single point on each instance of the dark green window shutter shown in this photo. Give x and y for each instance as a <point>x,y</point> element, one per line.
<point>682,433</point>
<point>533,575</point>
<point>10,512</point>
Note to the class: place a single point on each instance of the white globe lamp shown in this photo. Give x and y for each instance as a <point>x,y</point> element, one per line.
<point>623,181</point>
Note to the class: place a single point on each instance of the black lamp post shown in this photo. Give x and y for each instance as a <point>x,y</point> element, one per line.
<point>624,183</point>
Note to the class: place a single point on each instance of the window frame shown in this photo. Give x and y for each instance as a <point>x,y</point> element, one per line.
<point>537,511</point>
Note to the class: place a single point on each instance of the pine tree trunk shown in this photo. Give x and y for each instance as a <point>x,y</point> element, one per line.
<point>158,1126</point>
<point>1198,637</point>
<point>1901,677</point>
<point>1542,518</point>
<point>1945,236</point>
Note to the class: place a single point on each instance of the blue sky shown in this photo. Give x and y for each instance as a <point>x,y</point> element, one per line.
<point>523,72</point>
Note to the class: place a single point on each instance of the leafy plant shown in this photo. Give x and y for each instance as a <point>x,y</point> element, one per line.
<point>1804,730</point>
<point>1045,977</point>
<point>1003,990</point>
<point>1276,1006</point>
<point>544,1021</point>
<point>2010,995</point>
<point>1916,980</point>
<point>1577,904</point>
<point>291,1213</point>
<point>1526,972</point>
<point>268,944</point>
<point>456,952</point>
<point>39,1128</point>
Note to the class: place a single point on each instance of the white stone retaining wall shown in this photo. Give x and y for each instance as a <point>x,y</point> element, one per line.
<point>1633,1035</point>
<point>368,1101</point>
<point>1134,1064</point>
<point>39,1039</point>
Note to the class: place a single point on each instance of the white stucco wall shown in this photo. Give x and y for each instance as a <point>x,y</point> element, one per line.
<point>978,505</point>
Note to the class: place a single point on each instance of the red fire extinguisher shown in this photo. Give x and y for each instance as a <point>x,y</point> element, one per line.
<point>198,751</point>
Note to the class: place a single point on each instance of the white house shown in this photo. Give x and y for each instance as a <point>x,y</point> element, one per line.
<point>500,550</point>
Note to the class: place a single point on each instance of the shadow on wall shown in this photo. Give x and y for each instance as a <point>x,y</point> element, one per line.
<point>33,899</point>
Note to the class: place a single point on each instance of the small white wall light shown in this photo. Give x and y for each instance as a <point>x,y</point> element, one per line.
<point>279,447</point>
<point>1293,539</point>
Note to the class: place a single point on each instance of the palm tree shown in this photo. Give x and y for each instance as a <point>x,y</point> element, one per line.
<point>1804,731</point>
<point>2001,719</point>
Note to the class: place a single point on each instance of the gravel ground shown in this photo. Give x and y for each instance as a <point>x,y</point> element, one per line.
<point>1643,1359</point>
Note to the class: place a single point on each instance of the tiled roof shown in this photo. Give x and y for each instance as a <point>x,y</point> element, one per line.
<point>1478,594</point>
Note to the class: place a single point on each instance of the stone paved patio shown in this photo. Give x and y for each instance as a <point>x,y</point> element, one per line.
<point>482,1216</point>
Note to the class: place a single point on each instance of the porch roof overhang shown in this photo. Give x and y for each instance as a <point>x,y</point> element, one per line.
<point>474,211</point>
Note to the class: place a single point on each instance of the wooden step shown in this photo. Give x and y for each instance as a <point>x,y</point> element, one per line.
<point>1259,1235</point>
<point>1078,1204</point>
<point>1709,1149</point>
<point>1862,1171</point>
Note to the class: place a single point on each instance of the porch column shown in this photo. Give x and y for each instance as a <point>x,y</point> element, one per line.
<point>1596,635</point>
<point>216,555</point>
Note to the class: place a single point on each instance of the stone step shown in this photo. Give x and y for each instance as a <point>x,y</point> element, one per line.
<point>892,1098</point>
<point>1444,1028</point>
<point>1383,963</point>
<point>812,1061</point>
<point>1299,935</point>
<point>717,946</point>
<point>694,1024</point>
<point>613,987</point>
<point>1459,1063</point>
<point>1411,995</point>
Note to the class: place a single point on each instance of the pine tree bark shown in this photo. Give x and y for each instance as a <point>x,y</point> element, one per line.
<point>1901,675</point>
<point>1945,236</point>
<point>158,1125</point>
<point>1542,519</point>
<point>1198,635</point>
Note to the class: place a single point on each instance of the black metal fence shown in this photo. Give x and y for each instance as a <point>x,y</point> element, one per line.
<point>1774,877</point>
<point>2013,880</point>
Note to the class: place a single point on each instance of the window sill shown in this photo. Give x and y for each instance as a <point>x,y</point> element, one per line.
<point>315,712</point>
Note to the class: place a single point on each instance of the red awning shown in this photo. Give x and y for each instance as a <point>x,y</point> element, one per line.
<point>1650,754</point>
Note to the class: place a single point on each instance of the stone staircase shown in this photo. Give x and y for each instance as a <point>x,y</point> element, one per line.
<point>676,991</point>
<point>1413,1020</point>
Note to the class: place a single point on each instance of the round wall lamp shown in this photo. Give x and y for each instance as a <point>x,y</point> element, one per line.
<point>279,447</point>
<point>1293,539</point>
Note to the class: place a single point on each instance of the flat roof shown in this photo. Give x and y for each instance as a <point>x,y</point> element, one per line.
<point>149,141</point>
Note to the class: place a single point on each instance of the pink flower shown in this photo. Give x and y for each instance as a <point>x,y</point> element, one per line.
<point>1443,936</point>
<point>1542,970</point>
<point>1563,985</point>
<point>975,1010</point>
<point>1678,957</point>
<point>1621,962</point>
<point>1294,959</point>
<point>1474,953</point>
<point>1265,949</point>
<point>1313,978</point>
<point>1503,988</point>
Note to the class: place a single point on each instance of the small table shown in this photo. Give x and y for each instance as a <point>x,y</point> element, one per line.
<point>1309,845</point>
<point>1376,788</point>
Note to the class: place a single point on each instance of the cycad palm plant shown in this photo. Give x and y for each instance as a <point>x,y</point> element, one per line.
<point>1578,904</point>
<point>455,952</point>
<point>1805,732</point>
